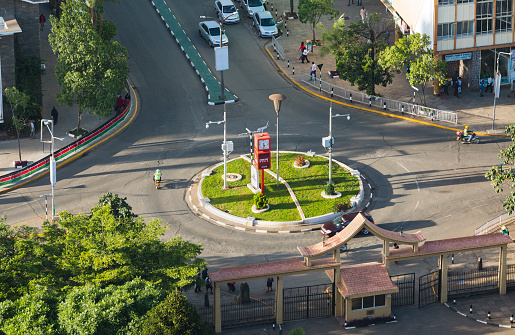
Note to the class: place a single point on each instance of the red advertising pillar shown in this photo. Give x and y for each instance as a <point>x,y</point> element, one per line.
<point>262,157</point>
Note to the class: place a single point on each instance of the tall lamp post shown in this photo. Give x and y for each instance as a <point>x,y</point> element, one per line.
<point>331,137</point>
<point>497,83</point>
<point>277,99</point>
<point>222,96</point>
<point>53,178</point>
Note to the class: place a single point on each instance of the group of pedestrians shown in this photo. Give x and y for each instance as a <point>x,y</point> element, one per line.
<point>304,57</point>
<point>201,279</point>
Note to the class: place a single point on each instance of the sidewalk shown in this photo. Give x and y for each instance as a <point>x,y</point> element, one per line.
<point>32,149</point>
<point>472,109</point>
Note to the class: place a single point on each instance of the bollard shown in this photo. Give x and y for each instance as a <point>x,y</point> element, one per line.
<point>272,5</point>
<point>370,102</point>
<point>277,56</point>
<point>452,259</point>
<point>293,72</point>
<point>470,309</point>
<point>489,315</point>
<point>454,301</point>
<point>320,84</point>
<point>511,318</point>
<point>284,24</point>
<point>402,109</point>
<point>276,12</point>
<point>287,33</point>
<point>350,98</point>
<point>332,92</point>
<point>384,105</point>
<point>288,63</point>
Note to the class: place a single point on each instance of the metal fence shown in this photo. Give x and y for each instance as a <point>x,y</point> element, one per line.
<point>206,314</point>
<point>257,311</point>
<point>428,289</point>
<point>510,276</point>
<point>406,285</point>
<point>472,282</point>
<point>379,102</point>
<point>278,47</point>
<point>307,302</point>
<point>495,223</point>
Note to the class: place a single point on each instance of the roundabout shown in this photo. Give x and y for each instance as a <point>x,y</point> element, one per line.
<point>211,208</point>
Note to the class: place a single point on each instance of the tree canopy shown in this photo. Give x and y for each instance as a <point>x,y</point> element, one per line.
<point>503,177</point>
<point>312,10</point>
<point>356,49</point>
<point>414,51</point>
<point>90,69</point>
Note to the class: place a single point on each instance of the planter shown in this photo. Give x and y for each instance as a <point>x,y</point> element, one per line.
<point>233,177</point>
<point>333,196</point>
<point>262,210</point>
<point>81,133</point>
<point>306,165</point>
<point>20,164</point>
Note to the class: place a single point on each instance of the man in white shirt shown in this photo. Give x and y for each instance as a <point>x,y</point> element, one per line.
<point>313,71</point>
<point>490,84</point>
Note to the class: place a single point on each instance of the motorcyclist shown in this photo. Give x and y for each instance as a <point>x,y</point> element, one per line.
<point>157,175</point>
<point>467,135</point>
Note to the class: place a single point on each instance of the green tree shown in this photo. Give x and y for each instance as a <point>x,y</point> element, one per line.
<point>91,310</point>
<point>312,10</point>
<point>414,51</point>
<point>502,177</point>
<point>91,70</point>
<point>174,316</point>
<point>18,101</point>
<point>356,49</point>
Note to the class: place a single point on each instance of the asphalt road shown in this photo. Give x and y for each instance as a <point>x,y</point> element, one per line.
<point>422,178</point>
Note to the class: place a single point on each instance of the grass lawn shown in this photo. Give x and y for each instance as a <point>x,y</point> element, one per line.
<point>307,184</point>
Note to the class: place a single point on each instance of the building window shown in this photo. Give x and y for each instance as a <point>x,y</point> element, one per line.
<point>369,302</point>
<point>465,1</point>
<point>445,31</point>
<point>445,2</point>
<point>503,15</point>
<point>484,16</point>
<point>465,28</point>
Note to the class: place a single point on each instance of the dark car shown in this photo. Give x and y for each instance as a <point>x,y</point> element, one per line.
<point>332,227</point>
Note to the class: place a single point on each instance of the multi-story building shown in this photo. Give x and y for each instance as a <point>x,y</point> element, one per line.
<point>468,34</point>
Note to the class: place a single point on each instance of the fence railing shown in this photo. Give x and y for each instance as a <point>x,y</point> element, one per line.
<point>277,47</point>
<point>495,223</point>
<point>510,275</point>
<point>387,104</point>
<point>406,285</point>
<point>472,282</point>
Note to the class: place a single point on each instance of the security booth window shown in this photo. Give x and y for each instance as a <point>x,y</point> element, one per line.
<point>369,302</point>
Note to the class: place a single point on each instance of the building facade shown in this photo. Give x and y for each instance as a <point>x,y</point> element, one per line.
<point>471,35</point>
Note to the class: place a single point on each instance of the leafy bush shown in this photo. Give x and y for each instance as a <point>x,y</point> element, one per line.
<point>342,207</point>
<point>300,160</point>
<point>297,331</point>
<point>174,316</point>
<point>329,189</point>
<point>260,200</point>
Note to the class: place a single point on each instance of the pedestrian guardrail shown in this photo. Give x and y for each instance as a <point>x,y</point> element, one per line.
<point>494,224</point>
<point>380,102</point>
<point>277,47</point>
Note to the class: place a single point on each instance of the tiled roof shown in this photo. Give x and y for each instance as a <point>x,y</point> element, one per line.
<point>453,245</point>
<point>406,238</point>
<point>263,270</point>
<point>337,240</point>
<point>366,278</point>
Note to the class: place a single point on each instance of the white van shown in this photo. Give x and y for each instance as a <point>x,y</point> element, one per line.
<point>252,6</point>
<point>225,9</point>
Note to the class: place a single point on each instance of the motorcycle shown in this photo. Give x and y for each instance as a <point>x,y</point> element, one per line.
<point>473,138</point>
<point>157,182</point>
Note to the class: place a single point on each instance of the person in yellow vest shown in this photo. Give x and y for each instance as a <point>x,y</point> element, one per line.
<point>157,175</point>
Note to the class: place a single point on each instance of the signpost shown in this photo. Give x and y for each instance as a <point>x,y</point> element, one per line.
<point>262,155</point>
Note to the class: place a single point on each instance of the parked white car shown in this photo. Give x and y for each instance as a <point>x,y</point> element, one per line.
<point>225,10</point>
<point>265,24</point>
<point>210,30</point>
<point>252,6</point>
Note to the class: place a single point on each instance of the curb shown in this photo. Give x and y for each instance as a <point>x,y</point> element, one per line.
<point>188,58</point>
<point>83,151</point>
<point>367,109</point>
<point>477,320</point>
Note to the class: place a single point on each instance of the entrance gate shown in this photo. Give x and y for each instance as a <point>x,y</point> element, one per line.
<point>308,302</point>
<point>429,289</point>
<point>406,285</point>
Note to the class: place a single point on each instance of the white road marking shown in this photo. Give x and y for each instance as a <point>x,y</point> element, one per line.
<point>403,166</point>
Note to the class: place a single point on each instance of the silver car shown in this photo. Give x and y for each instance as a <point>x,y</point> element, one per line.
<point>210,30</point>
<point>226,11</point>
<point>265,24</point>
<point>252,6</point>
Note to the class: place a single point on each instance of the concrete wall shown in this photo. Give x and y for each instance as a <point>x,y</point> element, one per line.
<point>8,61</point>
<point>418,15</point>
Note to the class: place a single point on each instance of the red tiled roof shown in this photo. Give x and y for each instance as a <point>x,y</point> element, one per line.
<point>452,245</point>
<point>366,278</point>
<point>263,270</point>
<point>408,238</point>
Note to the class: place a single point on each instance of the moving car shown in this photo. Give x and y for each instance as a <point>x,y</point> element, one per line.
<point>224,8</point>
<point>331,228</point>
<point>265,24</point>
<point>252,6</point>
<point>210,30</point>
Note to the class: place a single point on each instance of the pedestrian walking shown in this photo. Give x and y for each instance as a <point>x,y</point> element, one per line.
<point>42,20</point>
<point>454,77</point>
<point>360,2</point>
<point>198,286</point>
<point>32,130</point>
<point>127,99</point>
<point>352,2</point>
<point>231,286</point>
<point>481,88</point>
<point>204,274</point>
<point>363,14</point>
<point>209,284</point>
<point>456,88</point>
<point>305,55</point>
<point>269,282</point>
<point>490,84</point>
<point>313,73</point>
<point>55,115</point>
<point>301,49</point>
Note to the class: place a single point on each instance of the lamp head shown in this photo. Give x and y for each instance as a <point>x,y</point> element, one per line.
<point>207,125</point>
<point>348,117</point>
<point>277,98</point>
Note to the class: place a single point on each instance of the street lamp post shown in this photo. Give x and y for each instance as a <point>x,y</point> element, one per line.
<point>331,137</point>
<point>497,86</point>
<point>53,177</point>
<point>224,145</point>
<point>277,99</point>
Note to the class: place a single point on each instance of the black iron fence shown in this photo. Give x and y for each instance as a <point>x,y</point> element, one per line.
<point>428,288</point>
<point>472,282</point>
<point>307,302</point>
<point>257,311</point>
<point>206,314</point>
<point>406,285</point>
<point>510,276</point>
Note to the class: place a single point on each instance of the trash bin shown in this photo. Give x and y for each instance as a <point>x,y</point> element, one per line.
<point>309,45</point>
